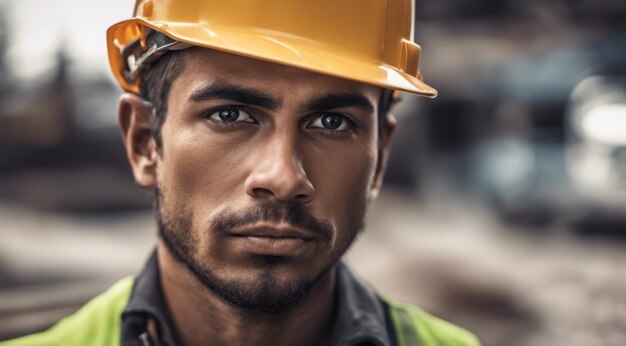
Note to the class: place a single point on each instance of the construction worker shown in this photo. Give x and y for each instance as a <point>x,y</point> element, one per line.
<point>263,129</point>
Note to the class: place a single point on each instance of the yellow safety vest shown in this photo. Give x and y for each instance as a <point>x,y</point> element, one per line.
<point>97,323</point>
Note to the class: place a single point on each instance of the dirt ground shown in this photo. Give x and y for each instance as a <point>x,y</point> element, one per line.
<point>510,287</point>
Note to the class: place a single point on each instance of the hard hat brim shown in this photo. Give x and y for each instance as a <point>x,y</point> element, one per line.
<point>273,47</point>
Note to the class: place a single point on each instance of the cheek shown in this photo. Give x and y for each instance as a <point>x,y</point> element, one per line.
<point>342,181</point>
<point>200,173</point>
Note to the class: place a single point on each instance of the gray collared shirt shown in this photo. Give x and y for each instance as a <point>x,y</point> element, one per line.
<point>361,317</point>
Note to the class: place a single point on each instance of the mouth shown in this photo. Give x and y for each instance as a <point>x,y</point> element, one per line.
<point>273,241</point>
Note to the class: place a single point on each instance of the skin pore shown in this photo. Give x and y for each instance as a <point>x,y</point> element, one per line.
<point>263,180</point>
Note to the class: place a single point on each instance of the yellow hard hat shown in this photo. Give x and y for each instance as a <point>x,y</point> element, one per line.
<point>369,41</point>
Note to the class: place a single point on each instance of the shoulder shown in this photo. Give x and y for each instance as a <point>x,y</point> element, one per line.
<point>414,326</point>
<point>96,323</point>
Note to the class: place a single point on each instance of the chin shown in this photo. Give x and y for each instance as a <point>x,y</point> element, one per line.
<point>271,285</point>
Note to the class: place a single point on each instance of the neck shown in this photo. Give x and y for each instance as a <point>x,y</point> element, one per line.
<point>200,317</point>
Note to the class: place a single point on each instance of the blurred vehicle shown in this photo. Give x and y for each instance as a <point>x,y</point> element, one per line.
<point>596,150</point>
<point>524,181</point>
<point>579,182</point>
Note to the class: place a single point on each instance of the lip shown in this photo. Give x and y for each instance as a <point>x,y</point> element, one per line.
<point>270,231</point>
<point>273,241</point>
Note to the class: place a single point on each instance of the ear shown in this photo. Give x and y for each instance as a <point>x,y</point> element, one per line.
<point>135,121</point>
<point>383,156</point>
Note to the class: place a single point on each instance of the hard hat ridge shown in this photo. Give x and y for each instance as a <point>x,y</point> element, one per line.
<point>139,54</point>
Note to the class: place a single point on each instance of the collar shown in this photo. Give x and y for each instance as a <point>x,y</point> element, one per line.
<point>146,305</point>
<point>360,315</point>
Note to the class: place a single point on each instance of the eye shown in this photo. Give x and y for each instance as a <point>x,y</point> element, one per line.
<point>333,122</point>
<point>230,115</point>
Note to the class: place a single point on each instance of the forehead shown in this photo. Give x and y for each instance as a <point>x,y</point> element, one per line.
<point>203,66</point>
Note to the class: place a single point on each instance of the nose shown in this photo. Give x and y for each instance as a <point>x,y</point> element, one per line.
<point>278,173</point>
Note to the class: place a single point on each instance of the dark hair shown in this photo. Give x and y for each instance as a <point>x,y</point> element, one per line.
<point>155,87</point>
<point>158,79</point>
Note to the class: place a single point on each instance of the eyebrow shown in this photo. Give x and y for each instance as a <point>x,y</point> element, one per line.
<point>341,100</point>
<point>221,90</point>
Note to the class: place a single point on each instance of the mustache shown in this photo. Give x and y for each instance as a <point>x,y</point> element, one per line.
<point>292,214</point>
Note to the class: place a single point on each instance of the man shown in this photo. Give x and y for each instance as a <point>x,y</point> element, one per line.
<point>264,133</point>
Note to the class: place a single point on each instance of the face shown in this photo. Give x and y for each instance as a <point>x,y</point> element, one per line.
<point>264,174</point>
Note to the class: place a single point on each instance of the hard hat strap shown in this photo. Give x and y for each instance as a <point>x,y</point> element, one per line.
<point>137,58</point>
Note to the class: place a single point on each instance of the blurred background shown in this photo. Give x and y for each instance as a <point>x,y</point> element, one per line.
<point>504,208</point>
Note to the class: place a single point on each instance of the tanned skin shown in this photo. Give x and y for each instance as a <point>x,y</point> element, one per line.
<point>299,141</point>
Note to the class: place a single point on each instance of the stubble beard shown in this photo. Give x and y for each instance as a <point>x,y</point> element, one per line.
<point>267,294</point>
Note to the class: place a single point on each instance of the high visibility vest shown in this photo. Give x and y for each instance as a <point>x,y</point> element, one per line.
<point>97,323</point>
